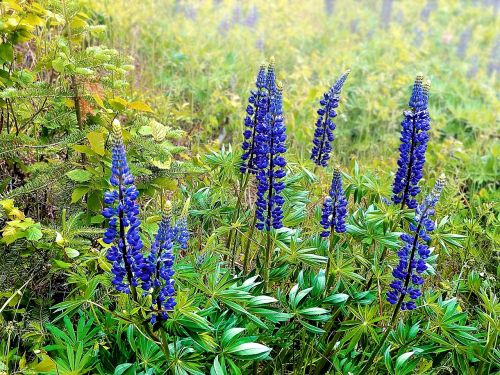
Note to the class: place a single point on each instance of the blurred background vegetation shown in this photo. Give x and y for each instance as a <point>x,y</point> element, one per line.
<point>198,61</point>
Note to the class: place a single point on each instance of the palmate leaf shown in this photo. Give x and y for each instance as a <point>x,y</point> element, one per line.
<point>367,231</point>
<point>296,255</point>
<point>239,298</point>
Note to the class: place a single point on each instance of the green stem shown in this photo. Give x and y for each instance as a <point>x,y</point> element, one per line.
<point>328,351</point>
<point>247,248</point>
<point>267,260</point>
<point>487,349</point>
<point>243,183</point>
<point>368,364</point>
<point>328,262</point>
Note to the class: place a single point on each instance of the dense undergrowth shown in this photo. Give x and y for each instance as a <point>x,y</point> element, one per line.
<point>137,237</point>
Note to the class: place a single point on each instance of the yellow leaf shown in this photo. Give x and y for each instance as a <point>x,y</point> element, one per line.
<point>165,183</point>
<point>118,104</point>
<point>162,164</point>
<point>158,131</point>
<point>16,213</point>
<point>140,106</point>
<point>96,140</point>
<point>78,23</point>
<point>59,239</point>
<point>105,266</point>
<point>45,365</point>
<point>98,100</point>
<point>33,19</point>
<point>13,5</point>
<point>70,103</point>
<point>7,204</point>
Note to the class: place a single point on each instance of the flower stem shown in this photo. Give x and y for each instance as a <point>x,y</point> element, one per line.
<point>247,247</point>
<point>328,262</point>
<point>124,240</point>
<point>402,296</point>
<point>267,260</point>
<point>410,163</point>
<point>243,185</point>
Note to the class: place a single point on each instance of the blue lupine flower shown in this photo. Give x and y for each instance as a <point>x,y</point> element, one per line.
<point>122,211</point>
<point>182,233</point>
<point>414,140</point>
<point>414,252</point>
<point>161,261</point>
<point>256,111</point>
<point>335,207</point>
<point>323,134</point>
<point>270,147</point>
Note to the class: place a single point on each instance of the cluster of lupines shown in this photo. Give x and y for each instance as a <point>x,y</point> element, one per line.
<point>414,252</point>
<point>323,134</point>
<point>414,140</point>
<point>258,105</point>
<point>122,210</point>
<point>335,207</point>
<point>269,148</point>
<point>129,267</point>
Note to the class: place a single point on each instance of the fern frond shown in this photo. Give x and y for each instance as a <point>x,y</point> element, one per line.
<point>42,178</point>
<point>149,149</point>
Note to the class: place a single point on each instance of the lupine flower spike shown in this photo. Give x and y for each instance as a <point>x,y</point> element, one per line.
<point>415,251</point>
<point>323,134</point>
<point>256,111</point>
<point>271,163</point>
<point>182,233</point>
<point>414,140</point>
<point>335,207</point>
<point>122,211</point>
<point>161,262</point>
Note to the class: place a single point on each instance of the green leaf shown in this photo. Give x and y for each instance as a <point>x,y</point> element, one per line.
<point>230,334</point>
<point>250,351</point>
<point>61,264</point>
<point>79,175</point>
<point>120,369</point>
<point>402,359</point>
<point>78,193</point>
<point>34,232</point>
<point>6,52</point>
<point>71,253</point>
<point>84,71</point>
<point>336,299</point>
<point>217,369</point>
<point>59,64</point>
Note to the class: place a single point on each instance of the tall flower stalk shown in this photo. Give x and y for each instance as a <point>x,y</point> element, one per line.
<point>323,134</point>
<point>413,146</point>
<point>161,262</point>
<point>333,214</point>
<point>412,256</point>
<point>122,211</point>
<point>257,109</point>
<point>270,147</point>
